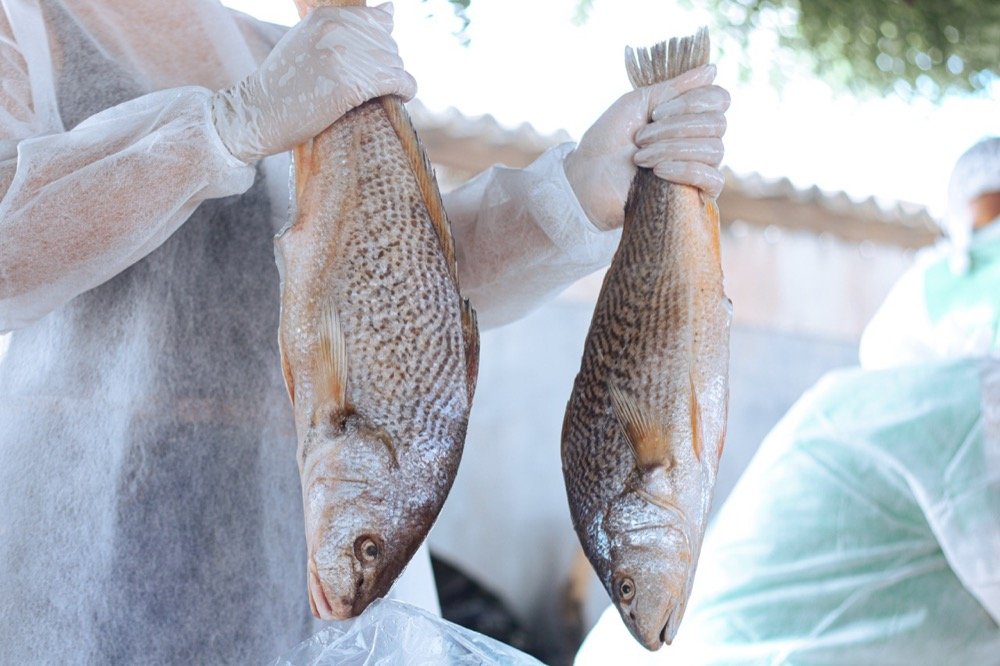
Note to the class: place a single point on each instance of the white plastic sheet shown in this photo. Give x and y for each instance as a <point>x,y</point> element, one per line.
<point>391,632</point>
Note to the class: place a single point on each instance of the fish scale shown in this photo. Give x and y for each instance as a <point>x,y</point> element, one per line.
<point>380,281</point>
<point>645,423</point>
<point>379,351</point>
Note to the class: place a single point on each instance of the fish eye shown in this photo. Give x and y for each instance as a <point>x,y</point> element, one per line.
<point>366,549</point>
<point>626,589</point>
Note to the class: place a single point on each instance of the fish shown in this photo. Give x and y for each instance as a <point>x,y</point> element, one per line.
<point>378,348</point>
<point>645,424</point>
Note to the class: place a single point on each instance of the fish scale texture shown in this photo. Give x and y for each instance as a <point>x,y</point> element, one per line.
<point>660,313</point>
<point>660,337</point>
<point>378,348</point>
<point>364,241</point>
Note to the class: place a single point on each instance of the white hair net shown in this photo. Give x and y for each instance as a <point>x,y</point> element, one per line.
<point>977,172</point>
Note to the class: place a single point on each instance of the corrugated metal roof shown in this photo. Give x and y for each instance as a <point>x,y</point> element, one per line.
<point>462,146</point>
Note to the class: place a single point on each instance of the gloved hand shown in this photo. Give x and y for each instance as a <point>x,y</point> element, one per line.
<point>330,62</point>
<point>674,128</point>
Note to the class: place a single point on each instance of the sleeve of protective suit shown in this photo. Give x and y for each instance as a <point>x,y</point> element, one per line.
<point>81,206</point>
<point>521,237</point>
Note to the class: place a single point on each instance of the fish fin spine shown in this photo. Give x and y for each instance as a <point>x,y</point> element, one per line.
<point>646,437</point>
<point>331,385</point>
<point>697,436</point>
<point>286,370</point>
<point>302,161</point>
<point>662,61</point>
<point>470,333</point>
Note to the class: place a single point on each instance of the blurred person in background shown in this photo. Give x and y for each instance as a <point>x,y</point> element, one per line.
<point>150,509</point>
<point>948,304</point>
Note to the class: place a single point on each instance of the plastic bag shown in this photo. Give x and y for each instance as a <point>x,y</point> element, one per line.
<point>391,632</point>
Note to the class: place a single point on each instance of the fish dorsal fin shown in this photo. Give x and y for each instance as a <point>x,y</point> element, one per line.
<point>331,378</point>
<point>662,61</point>
<point>646,436</point>
<point>424,174</point>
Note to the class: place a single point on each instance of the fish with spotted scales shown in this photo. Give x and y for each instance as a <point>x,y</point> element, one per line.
<point>378,348</point>
<point>645,424</point>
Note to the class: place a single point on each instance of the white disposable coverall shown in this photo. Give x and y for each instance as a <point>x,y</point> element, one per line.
<point>149,500</point>
<point>866,530</point>
<point>934,313</point>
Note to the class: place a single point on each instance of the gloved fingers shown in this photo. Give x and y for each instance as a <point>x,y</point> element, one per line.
<point>387,8</point>
<point>707,99</point>
<point>356,16</point>
<point>396,81</point>
<point>361,28</point>
<point>692,79</point>
<point>705,150</point>
<point>708,179</point>
<point>691,125</point>
<point>357,46</point>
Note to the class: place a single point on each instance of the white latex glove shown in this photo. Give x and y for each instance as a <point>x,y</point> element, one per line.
<point>674,128</point>
<point>330,62</point>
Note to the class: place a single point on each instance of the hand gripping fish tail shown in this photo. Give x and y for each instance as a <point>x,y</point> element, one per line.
<point>378,348</point>
<point>645,423</point>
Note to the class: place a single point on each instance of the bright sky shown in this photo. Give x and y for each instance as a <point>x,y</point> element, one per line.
<point>528,62</point>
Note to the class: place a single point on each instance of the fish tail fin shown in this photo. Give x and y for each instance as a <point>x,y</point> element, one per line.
<point>662,61</point>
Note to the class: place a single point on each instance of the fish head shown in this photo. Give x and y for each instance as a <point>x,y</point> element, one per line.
<point>360,530</point>
<point>650,568</point>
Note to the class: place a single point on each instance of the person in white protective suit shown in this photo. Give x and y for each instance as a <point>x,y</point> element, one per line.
<point>150,509</point>
<point>947,305</point>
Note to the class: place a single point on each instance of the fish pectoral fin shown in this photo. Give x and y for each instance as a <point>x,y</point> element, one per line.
<point>286,371</point>
<point>697,434</point>
<point>470,333</point>
<point>331,384</point>
<point>646,436</point>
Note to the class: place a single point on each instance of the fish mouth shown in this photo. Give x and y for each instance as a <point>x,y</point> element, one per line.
<point>319,600</point>
<point>673,621</point>
<point>665,635</point>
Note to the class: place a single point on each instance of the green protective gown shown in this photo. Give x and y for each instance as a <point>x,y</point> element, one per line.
<point>932,313</point>
<point>865,531</point>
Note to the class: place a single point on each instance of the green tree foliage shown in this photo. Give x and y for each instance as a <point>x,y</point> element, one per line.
<point>912,47</point>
